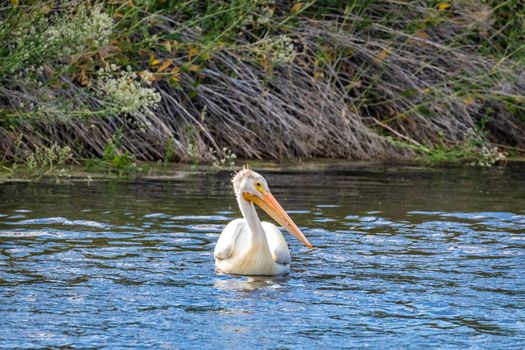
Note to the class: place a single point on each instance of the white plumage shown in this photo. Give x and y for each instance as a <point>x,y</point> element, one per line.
<point>251,247</point>
<point>235,253</point>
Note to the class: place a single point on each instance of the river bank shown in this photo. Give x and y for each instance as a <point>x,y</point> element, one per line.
<point>198,82</point>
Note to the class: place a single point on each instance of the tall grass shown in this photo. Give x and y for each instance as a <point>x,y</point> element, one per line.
<point>261,78</point>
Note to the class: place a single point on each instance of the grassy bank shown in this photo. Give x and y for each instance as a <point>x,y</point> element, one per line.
<point>207,81</point>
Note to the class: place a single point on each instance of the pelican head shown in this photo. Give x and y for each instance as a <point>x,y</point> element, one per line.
<point>252,187</point>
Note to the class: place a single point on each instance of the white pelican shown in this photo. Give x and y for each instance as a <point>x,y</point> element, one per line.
<point>251,247</point>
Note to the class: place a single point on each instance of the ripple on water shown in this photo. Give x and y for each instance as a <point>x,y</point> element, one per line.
<point>28,233</point>
<point>200,218</point>
<point>59,221</point>
<point>156,215</point>
<point>206,227</point>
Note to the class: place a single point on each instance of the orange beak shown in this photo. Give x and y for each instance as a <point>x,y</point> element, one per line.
<point>269,204</point>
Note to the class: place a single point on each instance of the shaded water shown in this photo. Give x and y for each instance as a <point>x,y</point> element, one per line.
<point>403,257</point>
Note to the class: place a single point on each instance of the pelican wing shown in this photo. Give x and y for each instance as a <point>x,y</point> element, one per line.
<point>277,244</point>
<point>226,243</point>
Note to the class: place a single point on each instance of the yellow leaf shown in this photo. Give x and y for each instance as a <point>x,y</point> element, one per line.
<point>153,61</point>
<point>422,35</point>
<point>175,73</point>
<point>194,68</point>
<point>297,7</point>
<point>83,78</point>
<point>443,6</point>
<point>380,57</point>
<point>469,101</point>
<point>427,90</point>
<point>14,2</point>
<point>318,74</point>
<point>193,52</point>
<point>165,65</point>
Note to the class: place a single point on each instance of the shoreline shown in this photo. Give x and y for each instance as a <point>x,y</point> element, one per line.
<point>172,171</point>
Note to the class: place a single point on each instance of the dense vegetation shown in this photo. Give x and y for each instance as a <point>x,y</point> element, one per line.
<point>203,80</point>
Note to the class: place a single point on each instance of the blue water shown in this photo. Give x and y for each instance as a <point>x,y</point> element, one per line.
<point>403,258</point>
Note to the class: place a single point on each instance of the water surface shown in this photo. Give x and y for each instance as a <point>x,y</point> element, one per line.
<point>403,257</point>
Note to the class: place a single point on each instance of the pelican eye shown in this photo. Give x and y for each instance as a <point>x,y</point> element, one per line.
<point>259,187</point>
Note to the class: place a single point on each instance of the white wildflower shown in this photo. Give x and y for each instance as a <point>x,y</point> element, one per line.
<point>486,155</point>
<point>64,34</point>
<point>261,13</point>
<point>124,90</point>
<point>73,34</point>
<point>490,156</point>
<point>147,77</point>
<point>280,50</point>
<point>265,15</point>
<point>227,161</point>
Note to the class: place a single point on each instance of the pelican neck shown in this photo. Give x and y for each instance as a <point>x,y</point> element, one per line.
<point>252,219</point>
